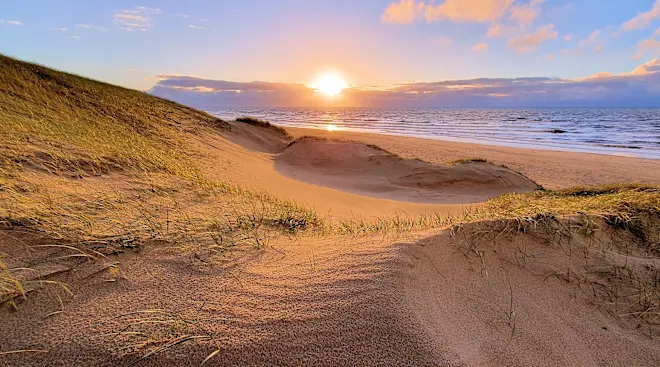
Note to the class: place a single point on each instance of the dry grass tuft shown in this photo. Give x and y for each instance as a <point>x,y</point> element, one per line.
<point>261,123</point>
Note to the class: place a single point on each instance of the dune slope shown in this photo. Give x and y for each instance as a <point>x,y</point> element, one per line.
<point>136,231</point>
<point>371,171</point>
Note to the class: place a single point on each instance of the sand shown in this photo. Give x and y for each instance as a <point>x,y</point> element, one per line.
<point>418,300</point>
<point>551,169</point>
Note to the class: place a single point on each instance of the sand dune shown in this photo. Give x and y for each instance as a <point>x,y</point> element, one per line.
<point>372,171</point>
<point>421,300</point>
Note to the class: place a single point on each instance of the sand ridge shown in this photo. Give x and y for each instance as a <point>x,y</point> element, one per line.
<point>371,171</point>
<point>417,300</point>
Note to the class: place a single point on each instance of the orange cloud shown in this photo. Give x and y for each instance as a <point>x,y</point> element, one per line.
<point>530,42</point>
<point>480,47</point>
<point>479,11</point>
<point>403,12</point>
<point>525,14</point>
<point>642,20</point>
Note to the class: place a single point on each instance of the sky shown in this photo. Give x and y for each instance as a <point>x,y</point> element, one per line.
<point>390,53</point>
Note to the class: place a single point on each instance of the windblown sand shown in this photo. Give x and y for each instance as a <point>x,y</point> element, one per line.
<point>416,301</point>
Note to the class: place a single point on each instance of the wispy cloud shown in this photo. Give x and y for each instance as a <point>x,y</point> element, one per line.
<point>139,18</point>
<point>196,26</point>
<point>91,26</point>
<point>75,38</point>
<point>642,20</point>
<point>648,46</point>
<point>568,38</point>
<point>443,41</point>
<point>59,29</point>
<point>525,14</point>
<point>480,47</point>
<point>530,42</point>
<point>10,22</point>
<point>179,15</point>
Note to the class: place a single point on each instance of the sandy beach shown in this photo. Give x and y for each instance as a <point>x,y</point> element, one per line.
<point>192,240</point>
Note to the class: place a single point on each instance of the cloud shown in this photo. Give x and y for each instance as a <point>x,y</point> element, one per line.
<point>75,38</point>
<point>139,18</point>
<point>180,15</point>
<point>479,11</point>
<point>91,26</point>
<point>131,70</point>
<point>530,42</point>
<point>443,41</point>
<point>59,29</point>
<point>196,26</point>
<point>480,47</point>
<point>568,38</point>
<point>403,12</point>
<point>549,57</point>
<point>647,46</point>
<point>10,22</point>
<point>525,14</point>
<point>499,30</point>
<point>642,20</point>
<point>636,88</point>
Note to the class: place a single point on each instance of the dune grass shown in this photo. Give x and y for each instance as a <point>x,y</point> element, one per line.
<point>56,126</point>
<point>60,122</point>
<point>261,123</point>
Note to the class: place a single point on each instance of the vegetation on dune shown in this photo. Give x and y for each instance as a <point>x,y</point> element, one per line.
<point>261,123</point>
<point>56,126</point>
<point>60,122</point>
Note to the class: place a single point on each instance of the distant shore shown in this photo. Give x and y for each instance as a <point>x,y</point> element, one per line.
<point>549,168</point>
<point>616,131</point>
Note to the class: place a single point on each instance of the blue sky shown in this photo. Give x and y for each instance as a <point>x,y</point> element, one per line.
<point>369,42</point>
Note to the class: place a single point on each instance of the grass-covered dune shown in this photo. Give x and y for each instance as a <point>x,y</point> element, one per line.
<point>89,170</point>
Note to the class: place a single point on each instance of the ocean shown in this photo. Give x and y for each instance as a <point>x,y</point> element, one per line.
<point>629,132</point>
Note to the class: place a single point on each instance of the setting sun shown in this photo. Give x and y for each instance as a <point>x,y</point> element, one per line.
<point>330,84</point>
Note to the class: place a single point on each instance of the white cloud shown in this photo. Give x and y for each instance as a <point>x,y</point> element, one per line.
<point>139,18</point>
<point>59,29</point>
<point>180,15</point>
<point>75,38</point>
<point>644,19</point>
<point>196,26</point>
<point>530,42</point>
<point>10,22</point>
<point>480,47</point>
<point>91,26</point>
<point>131,70</point>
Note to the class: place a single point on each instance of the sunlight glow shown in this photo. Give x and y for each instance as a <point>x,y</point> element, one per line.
<point>330,84</point>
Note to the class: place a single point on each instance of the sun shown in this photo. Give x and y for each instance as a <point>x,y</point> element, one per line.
<point>330,84</point>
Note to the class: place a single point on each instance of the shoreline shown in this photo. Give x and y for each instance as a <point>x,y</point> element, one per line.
<point>550,168</point>
<point>554,147</point>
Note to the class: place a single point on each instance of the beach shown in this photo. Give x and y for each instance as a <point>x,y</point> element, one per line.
<point>148,233</point>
